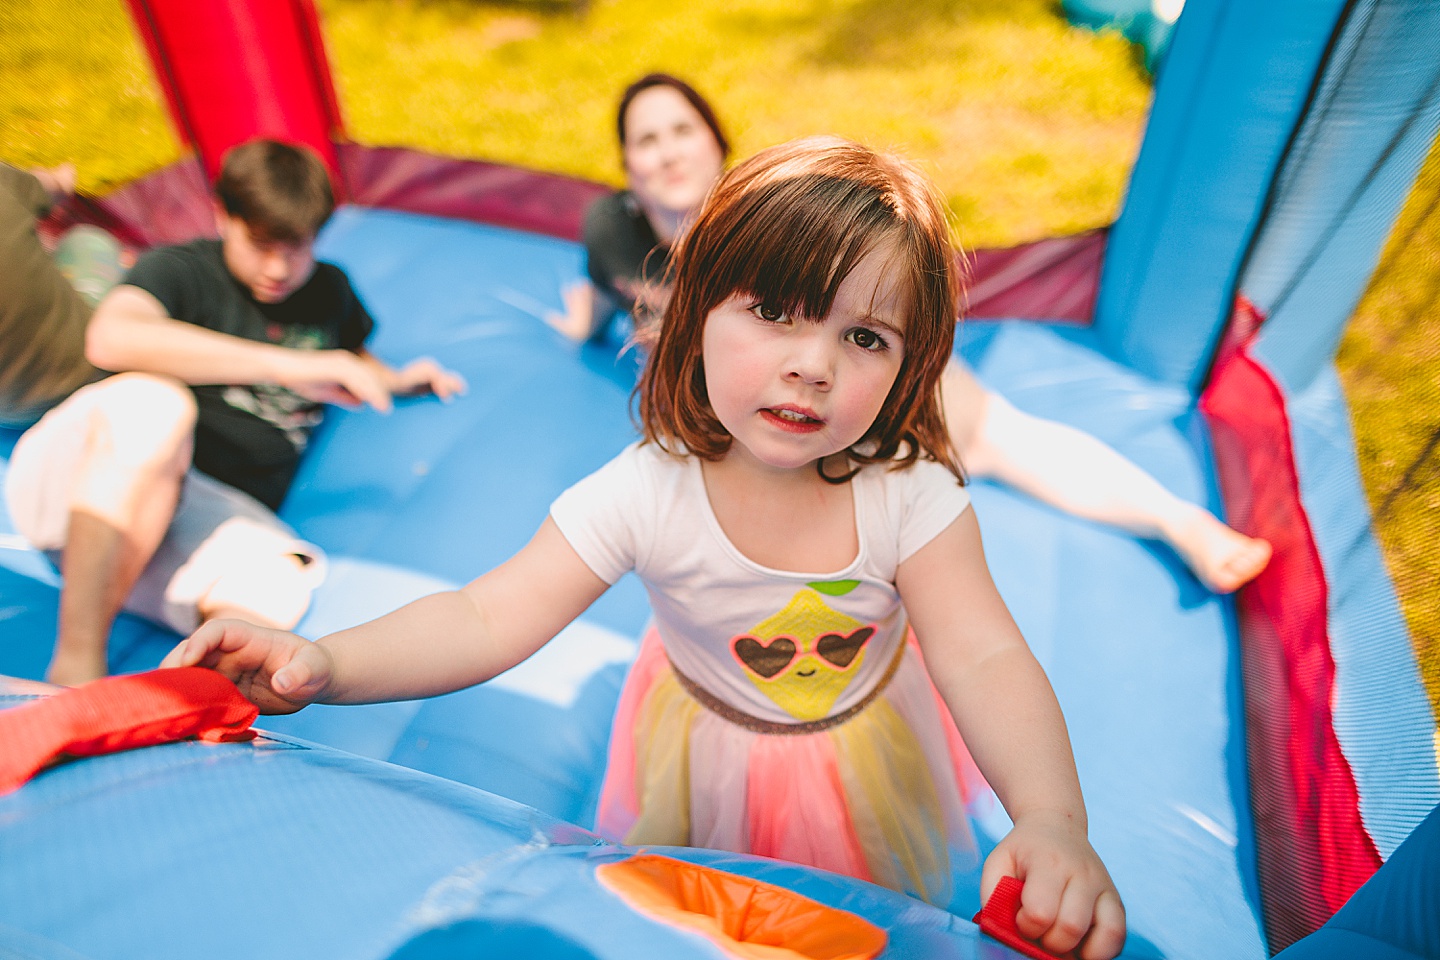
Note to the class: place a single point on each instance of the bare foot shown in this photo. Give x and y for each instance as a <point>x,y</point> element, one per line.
<point>71,670</point>
<point>1223,559</point>
<point>271,591</point>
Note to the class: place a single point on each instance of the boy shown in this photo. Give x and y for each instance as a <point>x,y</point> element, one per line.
<point>155,488</point>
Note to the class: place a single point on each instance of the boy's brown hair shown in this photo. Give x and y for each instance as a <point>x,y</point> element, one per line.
<point>280,190</point>
<point>786,227</point>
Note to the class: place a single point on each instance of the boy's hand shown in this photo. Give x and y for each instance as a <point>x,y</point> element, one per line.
<point>277,671</point>
<point>1069,900</point>
<point>424,376</point>
<point>59,181</point>
<point>336,376</point>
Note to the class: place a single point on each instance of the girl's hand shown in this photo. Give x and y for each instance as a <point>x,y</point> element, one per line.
<point>1069,900</point>
<point>277,671</point>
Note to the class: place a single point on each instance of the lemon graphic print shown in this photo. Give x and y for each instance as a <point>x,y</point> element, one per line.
<point>806,655</point>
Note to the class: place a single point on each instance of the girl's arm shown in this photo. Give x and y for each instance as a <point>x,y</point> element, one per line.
<point>1009,718</point>
<point>437,644</point>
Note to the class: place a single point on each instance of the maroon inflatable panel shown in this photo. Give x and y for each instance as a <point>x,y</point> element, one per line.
<point>395,178</point>
<point>1052,279</point>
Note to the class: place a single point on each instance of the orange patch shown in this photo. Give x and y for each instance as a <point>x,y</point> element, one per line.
<point>746,918</point>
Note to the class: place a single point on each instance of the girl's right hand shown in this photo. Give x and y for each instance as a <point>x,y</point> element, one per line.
<point>1069,902</point>
<point>279,672</point>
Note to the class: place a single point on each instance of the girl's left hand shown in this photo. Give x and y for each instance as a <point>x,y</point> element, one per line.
<point>1069,900</point>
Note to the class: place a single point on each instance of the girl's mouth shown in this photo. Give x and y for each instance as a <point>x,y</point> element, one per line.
<point>792,420</point>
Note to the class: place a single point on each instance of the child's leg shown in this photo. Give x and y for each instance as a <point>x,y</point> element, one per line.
<point>1077,473</point>
<point>97,480</point>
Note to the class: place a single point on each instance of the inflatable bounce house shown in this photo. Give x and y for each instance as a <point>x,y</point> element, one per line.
<point>1248,763</point>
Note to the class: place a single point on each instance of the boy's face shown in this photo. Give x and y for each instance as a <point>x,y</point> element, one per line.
<point>270,269</point>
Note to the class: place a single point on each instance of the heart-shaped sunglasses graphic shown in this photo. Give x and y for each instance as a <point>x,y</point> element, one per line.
<point>769,660</point>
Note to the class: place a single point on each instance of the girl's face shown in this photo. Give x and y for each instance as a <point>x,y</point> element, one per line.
<point>792,391</point>
<point>671,157</point>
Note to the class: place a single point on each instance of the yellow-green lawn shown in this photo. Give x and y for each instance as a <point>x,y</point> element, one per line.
<point>1028,125</point>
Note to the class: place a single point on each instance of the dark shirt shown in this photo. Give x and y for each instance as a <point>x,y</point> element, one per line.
<point>42,318</point>
<point>623,255</point>
<point>252,436</point>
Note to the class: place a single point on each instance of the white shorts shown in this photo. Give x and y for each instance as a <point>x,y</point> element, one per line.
<point>223,548</point>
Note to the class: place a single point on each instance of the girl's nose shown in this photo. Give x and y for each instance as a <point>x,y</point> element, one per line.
<point>813,360</point>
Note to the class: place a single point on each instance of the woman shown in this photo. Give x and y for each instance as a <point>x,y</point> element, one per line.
<point>674,149</point>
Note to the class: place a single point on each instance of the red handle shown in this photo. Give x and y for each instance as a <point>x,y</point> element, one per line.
<point>119,713</point>
<point>997,919</point>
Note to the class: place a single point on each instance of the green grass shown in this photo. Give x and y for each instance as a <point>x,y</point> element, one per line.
<point>75,85</point>
<point>1028,125</point>
<point>1389,363</point>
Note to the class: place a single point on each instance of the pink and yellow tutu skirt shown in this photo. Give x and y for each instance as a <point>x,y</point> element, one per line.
<point>879,795</point>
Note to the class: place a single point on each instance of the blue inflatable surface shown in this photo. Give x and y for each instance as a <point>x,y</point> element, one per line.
<point>1143,658</point>
<point>279,848</point>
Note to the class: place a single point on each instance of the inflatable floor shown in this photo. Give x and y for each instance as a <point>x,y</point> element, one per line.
<point>1143,658</point>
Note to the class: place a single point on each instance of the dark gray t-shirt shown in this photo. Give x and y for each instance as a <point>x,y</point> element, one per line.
<point>623,255</point>
<point>251,437</point>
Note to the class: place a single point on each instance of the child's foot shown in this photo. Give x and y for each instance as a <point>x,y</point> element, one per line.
<point>1223,559</point>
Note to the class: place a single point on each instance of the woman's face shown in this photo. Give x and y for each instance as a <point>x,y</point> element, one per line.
<point>671,157</point>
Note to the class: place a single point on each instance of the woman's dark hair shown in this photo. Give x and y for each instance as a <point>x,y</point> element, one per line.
<point>786,227</point>
<point>701,105</point>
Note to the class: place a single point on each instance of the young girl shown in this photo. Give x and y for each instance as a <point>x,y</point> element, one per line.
<point>795,509</point>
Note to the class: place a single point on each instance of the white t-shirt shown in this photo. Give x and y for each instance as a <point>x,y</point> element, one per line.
<point>779,645</point>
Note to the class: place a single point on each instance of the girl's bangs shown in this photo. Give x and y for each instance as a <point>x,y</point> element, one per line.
<point>792,243</point>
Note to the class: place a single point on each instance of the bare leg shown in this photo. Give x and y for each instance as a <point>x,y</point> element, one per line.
<point>137,450</point>
<point>1077,473</point>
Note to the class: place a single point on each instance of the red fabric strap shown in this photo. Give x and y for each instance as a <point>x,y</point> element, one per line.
<point>118,713</point>
<point>997,919</point>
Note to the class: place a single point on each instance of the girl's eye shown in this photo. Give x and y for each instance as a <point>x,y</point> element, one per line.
<point>866,339</point>
<point>769,313</point>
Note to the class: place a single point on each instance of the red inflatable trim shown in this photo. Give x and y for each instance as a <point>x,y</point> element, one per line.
<point>120,713</point>
<point>234,70</point>
<point>1314,851</point>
